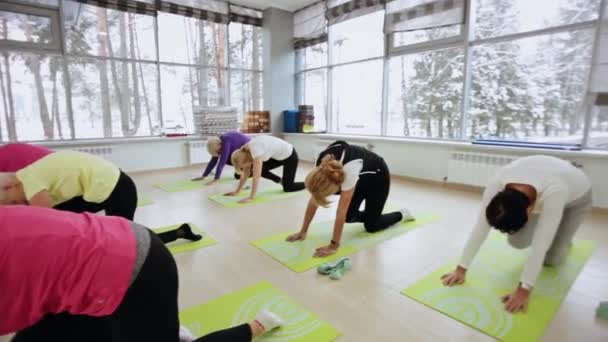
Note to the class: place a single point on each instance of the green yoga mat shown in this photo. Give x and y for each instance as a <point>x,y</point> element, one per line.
<point>143,201</point>
<point>181,245</point>
<point>242,306</point>
<point>495,273</point>
<point>298,256</point>
<point>187,185</point>
<point>263,196</point>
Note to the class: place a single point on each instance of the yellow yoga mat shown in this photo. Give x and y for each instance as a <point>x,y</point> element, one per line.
<point>242,306</point>
<point>181,245</point>
<point>187,185</point>
<point>264,195</point>
<point>143,201</point>
<point>298,256</point>
<point>495,273</point>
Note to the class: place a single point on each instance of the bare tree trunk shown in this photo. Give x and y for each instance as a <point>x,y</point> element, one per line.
<point>219,42</point>
<point>55,105</point>
<point>245,97</point>
<point>4,101</point>
<point>102,27</point>
<point>203,89</point>
<point>33,63</point>
<point>68,98</point>
<point>122,93</point>
<point>143,85</point>
<point>255,65</point>
<point>136,100</point>
<point>406,124</point>
<point>193,94</point>
<point>11,125</point>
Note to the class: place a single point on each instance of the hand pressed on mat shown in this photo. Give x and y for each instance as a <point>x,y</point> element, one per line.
<point>231,193</point>
<point>299,236</point>
<point>517,301</point>
<point>324,251</point>
<point>455,278</point>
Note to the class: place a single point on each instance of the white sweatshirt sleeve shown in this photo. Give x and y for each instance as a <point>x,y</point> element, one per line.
<point>548,223</point>
<point>482,227</point>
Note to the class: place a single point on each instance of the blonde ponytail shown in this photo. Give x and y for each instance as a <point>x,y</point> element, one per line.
<point>325,180</point>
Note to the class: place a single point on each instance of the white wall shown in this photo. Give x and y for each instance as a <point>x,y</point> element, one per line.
<point>279,65</point>
<point>428,160</point>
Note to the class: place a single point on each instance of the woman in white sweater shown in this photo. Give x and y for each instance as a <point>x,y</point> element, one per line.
<point>539,201</point>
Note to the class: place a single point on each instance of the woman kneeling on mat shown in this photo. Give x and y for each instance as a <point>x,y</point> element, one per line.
<point>539,201</point>
<point>83,277</point>
<point>221,149</point>
<point>78,182</point>
<point>357,175</point>
<point>261,155</point>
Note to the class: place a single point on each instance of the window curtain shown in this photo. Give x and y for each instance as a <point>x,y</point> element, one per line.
<point>342,10</point>
<point>210,10</point>
<point>245,15</point>
<point>310,25</point>
<point>410,15</point>
<point>140,7</point>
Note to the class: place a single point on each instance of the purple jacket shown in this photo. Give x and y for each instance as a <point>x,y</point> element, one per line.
<point>231,142</point>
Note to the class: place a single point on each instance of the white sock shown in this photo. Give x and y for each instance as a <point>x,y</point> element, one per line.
<point>407,216</point>
<point>268,320</point>
<point>185,335</point>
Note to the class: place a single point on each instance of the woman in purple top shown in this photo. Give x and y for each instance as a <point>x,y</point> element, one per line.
<point>220,149</point>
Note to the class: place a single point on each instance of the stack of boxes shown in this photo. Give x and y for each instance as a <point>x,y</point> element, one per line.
<point>256,122</point>
<point>214,121</point>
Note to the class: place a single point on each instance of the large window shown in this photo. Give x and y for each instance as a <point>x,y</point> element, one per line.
<point>122,73</point>
<point>511,69</point>
<point>313,85</point>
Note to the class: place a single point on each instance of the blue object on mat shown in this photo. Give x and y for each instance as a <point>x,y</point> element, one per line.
<point>291,119</point>
<point>525,144</point>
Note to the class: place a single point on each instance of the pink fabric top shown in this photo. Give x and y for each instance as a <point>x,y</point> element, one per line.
<point>54,261</point>
<point>14,157</point>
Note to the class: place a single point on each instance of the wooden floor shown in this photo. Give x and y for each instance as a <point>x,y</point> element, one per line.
<point>366,305</point>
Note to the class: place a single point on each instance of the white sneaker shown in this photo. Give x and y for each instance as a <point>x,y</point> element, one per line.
<point>185,335</point>
<point>269,320</point>
<point>407,216</point>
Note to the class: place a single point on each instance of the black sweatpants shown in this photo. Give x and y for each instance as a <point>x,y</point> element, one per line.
<point>290,167</point>
<point>373,189</point>
<point>148,312</point>
<point>122,202</point>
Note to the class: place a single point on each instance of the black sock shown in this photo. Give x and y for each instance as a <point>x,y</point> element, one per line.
<point>185,232</point>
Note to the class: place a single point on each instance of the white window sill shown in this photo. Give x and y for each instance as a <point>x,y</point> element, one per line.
<point>119,141</point>
<point>453,143</point>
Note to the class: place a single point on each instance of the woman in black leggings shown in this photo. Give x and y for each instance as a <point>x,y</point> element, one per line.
<point>78,182</point>
<point>115,283</point>
<point>357,175</point>
<point>261,155</point>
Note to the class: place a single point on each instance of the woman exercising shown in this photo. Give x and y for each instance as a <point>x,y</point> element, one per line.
<point>78,182</point>
<point>261,155</point>
<point>14,157</point>
<point>83,277</point>
<point>357,175</point>
<point>539,201</point>
<point>220,149</point>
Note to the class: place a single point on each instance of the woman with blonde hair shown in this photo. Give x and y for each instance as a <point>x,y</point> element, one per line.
<point>357,175</point>
<point>221,148</point>
<point>78,182</point>
<point>261,155</point>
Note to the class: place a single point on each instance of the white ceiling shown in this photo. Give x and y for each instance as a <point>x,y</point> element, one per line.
<point>288,5</point>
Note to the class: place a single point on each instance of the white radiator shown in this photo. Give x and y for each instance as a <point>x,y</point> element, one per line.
<point>475,168</point>
<point>323,143</point>
<point>100,151</point>
<point>197,152</point>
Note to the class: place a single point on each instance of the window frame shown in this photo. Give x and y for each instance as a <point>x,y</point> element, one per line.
<point>49,12</point>
<point>467,41</point>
